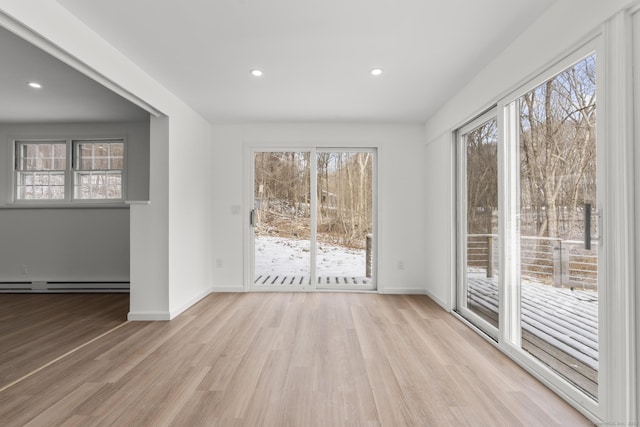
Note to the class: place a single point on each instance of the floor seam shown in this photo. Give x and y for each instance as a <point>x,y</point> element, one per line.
<point>57,359</point>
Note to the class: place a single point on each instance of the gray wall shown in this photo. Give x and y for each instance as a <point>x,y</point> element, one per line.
<point>70,244</point>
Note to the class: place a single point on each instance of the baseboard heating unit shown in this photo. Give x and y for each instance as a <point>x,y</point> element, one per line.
<point>62,287</point>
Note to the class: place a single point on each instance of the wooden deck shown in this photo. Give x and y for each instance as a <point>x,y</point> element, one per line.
<point>287,280</point>
<point>559,326</point>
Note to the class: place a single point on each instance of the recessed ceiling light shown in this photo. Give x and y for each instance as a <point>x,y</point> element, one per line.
<point>34,85</point>
<point>256,73</point>
<point>376,71</point>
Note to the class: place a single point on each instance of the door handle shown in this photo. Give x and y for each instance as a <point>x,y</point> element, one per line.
<point>252,218</point>
<point>587,226</point>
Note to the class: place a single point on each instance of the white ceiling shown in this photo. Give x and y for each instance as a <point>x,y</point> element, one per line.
<point>66,96</point>
<point>316,55</point>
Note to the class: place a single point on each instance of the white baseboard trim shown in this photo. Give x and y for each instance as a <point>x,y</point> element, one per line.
<point>151,316</point>
<point>437,300</point>
<point>231,288</point>
<point>402,291</point>
<point>148,316</point>
<point>175,313</point>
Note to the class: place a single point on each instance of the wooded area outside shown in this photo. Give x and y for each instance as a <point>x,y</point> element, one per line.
<point>557,174</point>
<point>558,153</point>
<point>344,209</point>
<point>344,195</point>
<point>42,169</point>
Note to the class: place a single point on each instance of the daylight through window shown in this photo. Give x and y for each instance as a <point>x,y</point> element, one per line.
<point>69,170</point>
<point>98,169</point>
<point>40,170</point>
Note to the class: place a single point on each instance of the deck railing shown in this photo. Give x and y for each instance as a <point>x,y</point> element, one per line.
<point>561,263</point>
<point>369,255</point>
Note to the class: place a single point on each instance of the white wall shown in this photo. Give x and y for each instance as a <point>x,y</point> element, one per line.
<point>74,244</point>
<point>163,278</point>
<point>190,198</point>
<point>440,220</point>
<point>400,202</point>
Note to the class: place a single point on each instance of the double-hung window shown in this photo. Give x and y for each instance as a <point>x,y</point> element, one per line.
<point>41,170</point>
<point>69,170</point>
<point>97,170</point>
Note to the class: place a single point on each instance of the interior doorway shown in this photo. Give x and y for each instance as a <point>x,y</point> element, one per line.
<point>312,222</point>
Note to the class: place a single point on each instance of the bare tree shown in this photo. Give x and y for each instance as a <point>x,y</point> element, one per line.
<point>557,145</point>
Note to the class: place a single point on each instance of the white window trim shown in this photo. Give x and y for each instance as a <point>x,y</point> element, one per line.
<point>16,171</point>
<point>69,201</point>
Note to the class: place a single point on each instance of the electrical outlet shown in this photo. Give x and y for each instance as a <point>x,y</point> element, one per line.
<point>400,265</point>
<point>219,263</point>
<point>25,269</point>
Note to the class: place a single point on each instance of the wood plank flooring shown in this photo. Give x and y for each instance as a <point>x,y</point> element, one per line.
<point>289,359</point>
<point>38,328</point>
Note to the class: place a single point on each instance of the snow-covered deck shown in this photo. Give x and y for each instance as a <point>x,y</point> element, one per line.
<point>559,326</point>
<point>286,280</point>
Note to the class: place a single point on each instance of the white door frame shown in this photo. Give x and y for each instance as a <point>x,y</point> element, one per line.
<point>249,252</point>
<point>461,258</point>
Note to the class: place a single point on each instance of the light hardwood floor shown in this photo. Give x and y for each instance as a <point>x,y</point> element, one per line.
<point>289,359</point>
<point>38,328</point>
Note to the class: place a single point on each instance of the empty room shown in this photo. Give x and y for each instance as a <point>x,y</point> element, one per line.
<point>288,213</point>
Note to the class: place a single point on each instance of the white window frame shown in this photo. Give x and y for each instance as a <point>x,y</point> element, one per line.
<point>461,177</point>
<point>17,170</point>
<point>70,171</point>
<point>75,168</point>
<point>249,252</point>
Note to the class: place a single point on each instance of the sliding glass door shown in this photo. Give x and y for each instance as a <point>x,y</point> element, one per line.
<point>558,224</point>
<point>312,220</point>
<point>281,218</point>
<point>345,220</point>
<point>478,270</point>
<point>528,226</point>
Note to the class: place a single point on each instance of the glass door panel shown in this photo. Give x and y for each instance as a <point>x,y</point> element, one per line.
<point>558,226</point>
<point>281,219</point>
<point>345,220</point>
<point>478,295</point>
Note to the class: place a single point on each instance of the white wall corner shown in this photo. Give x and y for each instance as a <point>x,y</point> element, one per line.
<point>175,313</point>
<point>228,288</point>
<point>446,306</point>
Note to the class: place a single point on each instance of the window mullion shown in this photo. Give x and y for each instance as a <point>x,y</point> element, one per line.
<point>510,250</point>
<point>68,174</point>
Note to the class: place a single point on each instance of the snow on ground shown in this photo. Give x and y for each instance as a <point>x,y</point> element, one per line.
<point>292,257</point>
